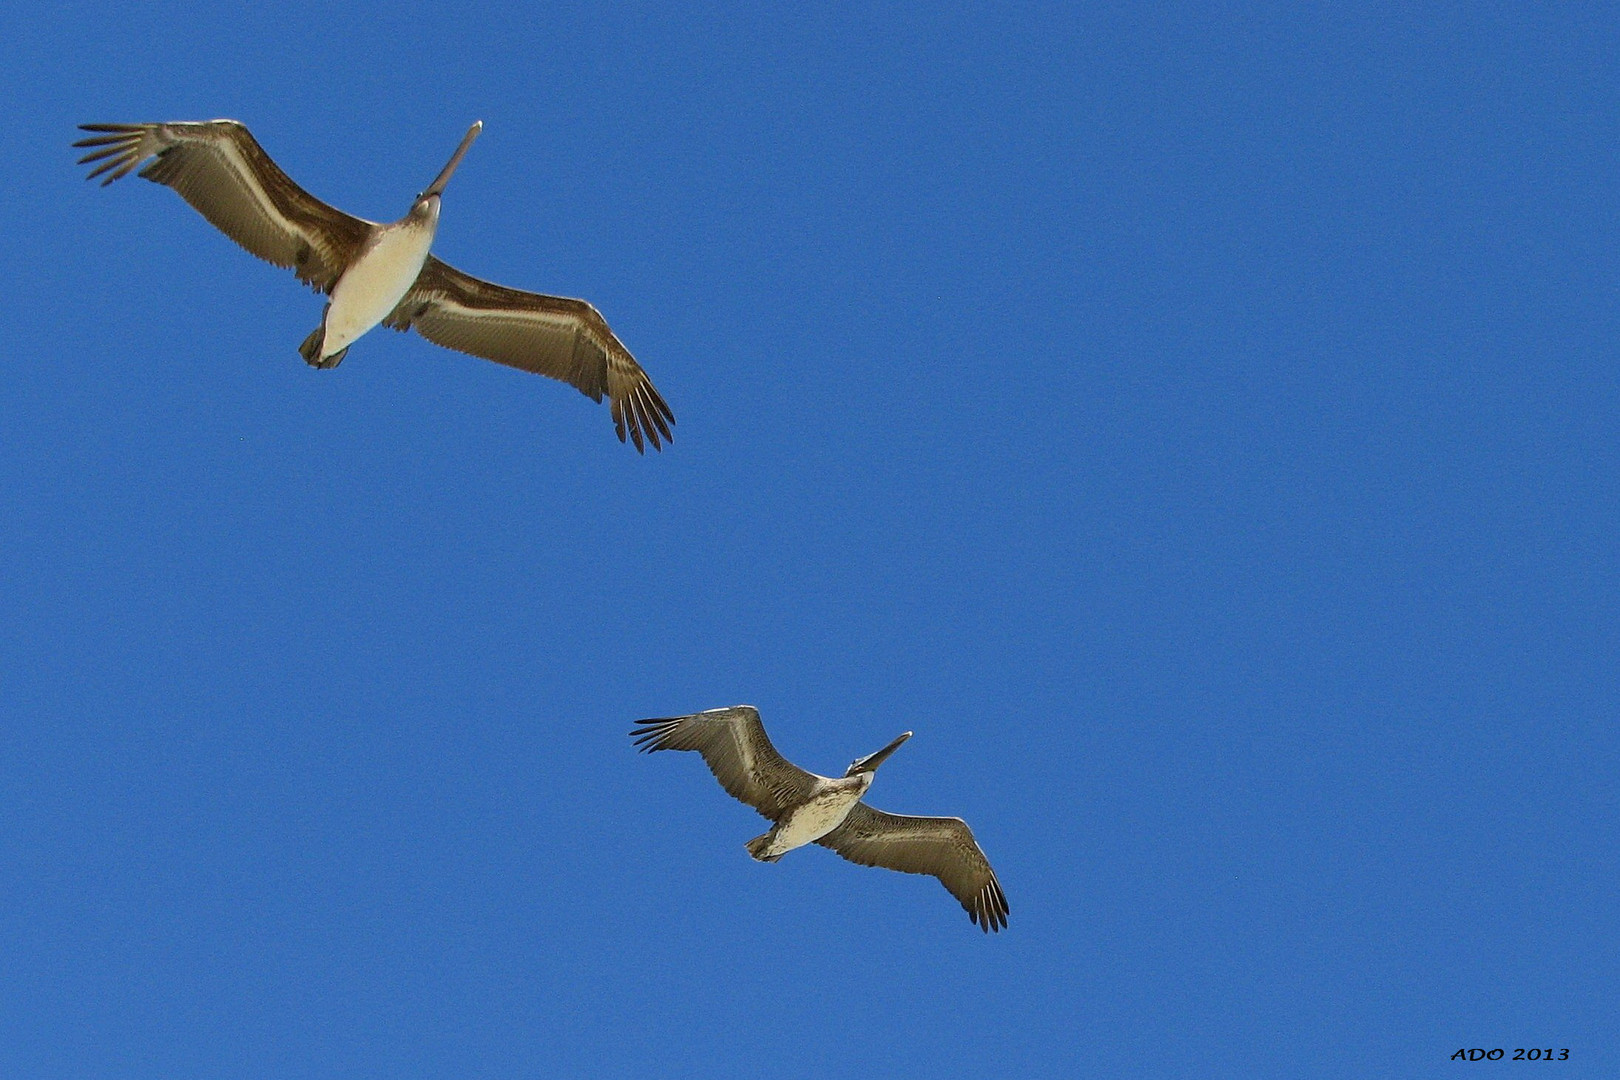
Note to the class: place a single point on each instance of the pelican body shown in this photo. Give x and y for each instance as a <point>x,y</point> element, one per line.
<point>381,273</point>
<point>809,809</point>
<point>387,266</point>
<point>824,809</point>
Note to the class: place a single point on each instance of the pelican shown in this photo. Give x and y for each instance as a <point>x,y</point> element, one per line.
<point>380,273</point>
<point>807,808</point>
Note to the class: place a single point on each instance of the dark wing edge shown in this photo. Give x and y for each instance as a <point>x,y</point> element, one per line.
<point>221,170</point>
<point>941,846</point>
<point>734,745</point>
<point>548,335</point>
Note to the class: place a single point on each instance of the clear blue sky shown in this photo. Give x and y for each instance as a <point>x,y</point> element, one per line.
<point>1199,427</point>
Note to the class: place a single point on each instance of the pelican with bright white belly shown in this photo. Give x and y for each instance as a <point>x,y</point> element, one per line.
<point>811,809</point>
<point>378,273</point>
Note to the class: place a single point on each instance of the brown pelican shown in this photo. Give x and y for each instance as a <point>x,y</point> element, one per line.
<point>381,273</point>
<point>817,809</point>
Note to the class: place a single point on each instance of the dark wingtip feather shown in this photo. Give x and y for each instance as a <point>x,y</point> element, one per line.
<point>121,150</point>
<point>988,908</point>
<point>97,155</point>
<point>650,734</point>
<point>616,410</point>
<point>658,418</point>
<point>651,418</point>
<point>638,418</point>
<point>632,419</point>
<point>663,406</point>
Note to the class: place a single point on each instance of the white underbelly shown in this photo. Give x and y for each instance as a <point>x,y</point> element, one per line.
<point>375,285</point>
<point>814,820</point>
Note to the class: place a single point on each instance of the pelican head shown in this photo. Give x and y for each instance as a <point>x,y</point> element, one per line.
<point>433,190</point>
<point>870,762</point>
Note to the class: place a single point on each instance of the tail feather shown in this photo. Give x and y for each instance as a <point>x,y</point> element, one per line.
<point>310,350</point>
<point>758,844</point>
<point>334,360</point>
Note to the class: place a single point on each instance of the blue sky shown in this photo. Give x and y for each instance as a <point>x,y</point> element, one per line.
<point>1198,425</point>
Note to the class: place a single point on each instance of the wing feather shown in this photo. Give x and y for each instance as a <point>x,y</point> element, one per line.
<point>222,171</point>
<point>941,846</point>
<point>733,743</point>
<point>548,335</point>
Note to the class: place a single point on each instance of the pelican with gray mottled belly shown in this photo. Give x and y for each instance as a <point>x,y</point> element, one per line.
<point>378,273</point>
<point>811,809</point>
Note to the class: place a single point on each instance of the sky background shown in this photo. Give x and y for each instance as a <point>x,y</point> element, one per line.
<point>1197,423</point>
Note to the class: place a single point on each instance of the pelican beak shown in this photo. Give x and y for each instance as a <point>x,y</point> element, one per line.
<point>455,159</point>
<point>870,762</point>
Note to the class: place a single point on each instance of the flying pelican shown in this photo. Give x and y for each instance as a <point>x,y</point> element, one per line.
<point>817,809</point>
<point>381,273</point>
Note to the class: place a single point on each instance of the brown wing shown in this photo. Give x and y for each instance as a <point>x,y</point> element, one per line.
<point>548,335</point>
<point>219,168</point>
<point>734,744</point>
<point>941,846</point>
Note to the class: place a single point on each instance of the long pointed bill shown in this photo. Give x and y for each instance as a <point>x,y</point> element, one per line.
<point>872,761</point>
<point>444,177</point>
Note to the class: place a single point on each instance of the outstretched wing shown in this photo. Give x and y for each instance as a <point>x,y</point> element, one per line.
<point>941,846</point>
<point>733,743</point>
<point>219,168</point>
<point>548,335</point>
